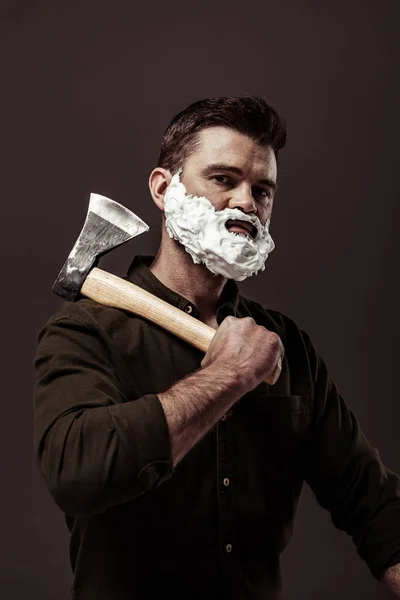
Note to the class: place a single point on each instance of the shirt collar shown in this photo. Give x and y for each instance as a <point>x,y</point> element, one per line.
<point>140,274</point>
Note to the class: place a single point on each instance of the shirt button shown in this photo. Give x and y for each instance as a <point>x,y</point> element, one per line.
<point>223,418</point>
<point>188,309</point>
<point>226,482</point>
<point>228,547</point>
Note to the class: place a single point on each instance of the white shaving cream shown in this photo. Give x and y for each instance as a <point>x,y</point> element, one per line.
<point>194,222</point>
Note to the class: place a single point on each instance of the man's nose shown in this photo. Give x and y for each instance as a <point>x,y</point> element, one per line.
<point>243,199</point>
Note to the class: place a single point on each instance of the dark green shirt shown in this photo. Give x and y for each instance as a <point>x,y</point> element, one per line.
<point>214,526</point>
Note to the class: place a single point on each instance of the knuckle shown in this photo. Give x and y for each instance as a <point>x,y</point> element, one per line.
<point>227,322</point>
<point>247,321</point>
<point>275,340</point>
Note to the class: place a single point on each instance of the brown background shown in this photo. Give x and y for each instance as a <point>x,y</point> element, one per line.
<point>87,89</point>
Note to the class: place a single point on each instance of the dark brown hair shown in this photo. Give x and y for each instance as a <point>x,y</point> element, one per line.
<point>250,115</point>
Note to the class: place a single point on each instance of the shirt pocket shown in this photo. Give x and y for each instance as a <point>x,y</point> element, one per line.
<point>274,431</point>
<point>282,420</point>
<point>281,405</point>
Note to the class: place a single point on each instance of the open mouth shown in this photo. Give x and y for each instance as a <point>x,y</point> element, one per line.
<point>242,228</point>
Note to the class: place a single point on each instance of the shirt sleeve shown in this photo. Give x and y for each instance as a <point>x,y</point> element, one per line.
<point>95,447</point>
<point>348,477</point>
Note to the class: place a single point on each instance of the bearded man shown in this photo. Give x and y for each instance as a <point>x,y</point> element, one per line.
<point>179,473</point>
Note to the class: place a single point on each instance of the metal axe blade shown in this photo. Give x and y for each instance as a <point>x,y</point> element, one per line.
<point>107,225</point>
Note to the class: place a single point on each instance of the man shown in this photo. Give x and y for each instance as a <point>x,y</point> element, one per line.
<point>179,473</point>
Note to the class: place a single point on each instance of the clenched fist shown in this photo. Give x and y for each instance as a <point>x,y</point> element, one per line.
<point>246,348</point>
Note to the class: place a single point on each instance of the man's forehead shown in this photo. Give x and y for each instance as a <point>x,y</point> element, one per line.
<point>226,146</point>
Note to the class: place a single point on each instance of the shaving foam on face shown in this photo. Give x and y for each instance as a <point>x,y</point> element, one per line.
<point>194,222</point>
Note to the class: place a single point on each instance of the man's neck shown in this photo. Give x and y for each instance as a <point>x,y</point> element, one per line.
<point>175,268</point>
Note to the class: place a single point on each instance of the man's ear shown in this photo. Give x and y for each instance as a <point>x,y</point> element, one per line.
<point>159,180</point>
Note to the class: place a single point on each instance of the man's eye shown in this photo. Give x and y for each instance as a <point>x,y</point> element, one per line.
<point>223,179</point>
<point>262,192</point>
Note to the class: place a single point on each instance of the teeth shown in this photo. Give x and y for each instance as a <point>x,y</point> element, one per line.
<point>245,235</point>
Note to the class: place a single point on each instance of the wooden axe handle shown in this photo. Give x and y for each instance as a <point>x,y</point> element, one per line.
<point>110,290</point>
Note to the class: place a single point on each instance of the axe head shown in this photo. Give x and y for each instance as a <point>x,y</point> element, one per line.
<point>107,225</point>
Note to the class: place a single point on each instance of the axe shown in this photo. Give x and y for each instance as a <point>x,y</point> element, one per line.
<point>108,225</point>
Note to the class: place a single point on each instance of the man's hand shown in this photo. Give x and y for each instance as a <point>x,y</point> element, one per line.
<point>240,356</point>
<point>246,348</point>
<point>392,580</point>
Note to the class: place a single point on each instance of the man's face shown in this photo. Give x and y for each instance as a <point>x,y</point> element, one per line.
<point>232,171</point>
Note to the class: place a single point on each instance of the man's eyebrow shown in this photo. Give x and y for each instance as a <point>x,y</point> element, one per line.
<point>236,171</point>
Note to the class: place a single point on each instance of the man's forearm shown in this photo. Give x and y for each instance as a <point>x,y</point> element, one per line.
<point>195,404</point>
<point>392,579</point>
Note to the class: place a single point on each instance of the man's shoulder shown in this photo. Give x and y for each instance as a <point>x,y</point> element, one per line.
<point>88,313</point>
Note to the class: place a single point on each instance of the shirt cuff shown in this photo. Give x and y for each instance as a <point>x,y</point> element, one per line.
<point>145,432</point>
